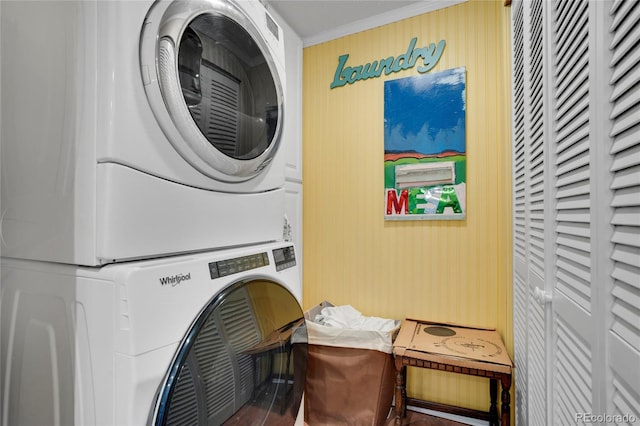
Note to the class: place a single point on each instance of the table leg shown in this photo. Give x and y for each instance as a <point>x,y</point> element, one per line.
<point>493,409</point>
<point>506,399</point>
<point>401,392</point>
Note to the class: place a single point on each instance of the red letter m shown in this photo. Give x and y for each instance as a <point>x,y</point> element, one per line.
<point>397,206</point>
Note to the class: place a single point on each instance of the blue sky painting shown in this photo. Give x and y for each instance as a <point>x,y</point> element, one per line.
<point>425,146</point>
<point>426,113</point>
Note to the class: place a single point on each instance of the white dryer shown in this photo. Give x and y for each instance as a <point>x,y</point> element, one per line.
<point>136,129</point>
<point>208,338</point>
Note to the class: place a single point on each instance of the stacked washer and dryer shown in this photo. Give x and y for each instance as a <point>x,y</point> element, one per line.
<point>145,277</point>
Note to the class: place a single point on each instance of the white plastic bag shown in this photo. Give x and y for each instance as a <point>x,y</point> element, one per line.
<point>344,326</point>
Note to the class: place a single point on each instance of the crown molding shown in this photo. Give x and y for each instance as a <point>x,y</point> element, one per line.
<point>379,20</point>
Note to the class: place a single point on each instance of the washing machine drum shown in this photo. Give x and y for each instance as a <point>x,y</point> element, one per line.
<point>214,85</point>
<point>243,362</point>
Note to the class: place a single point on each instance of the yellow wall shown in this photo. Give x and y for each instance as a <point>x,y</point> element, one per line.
<point>455,271</point>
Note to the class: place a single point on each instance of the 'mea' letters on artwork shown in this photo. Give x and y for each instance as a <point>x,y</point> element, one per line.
<point>430,56</point>
<point>438,200</point>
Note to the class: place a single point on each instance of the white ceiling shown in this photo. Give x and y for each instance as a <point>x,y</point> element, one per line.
<point>317,21</point>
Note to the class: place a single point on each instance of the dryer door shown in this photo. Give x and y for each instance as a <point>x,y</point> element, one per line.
<point>214,83</point>
<point>243,361</point>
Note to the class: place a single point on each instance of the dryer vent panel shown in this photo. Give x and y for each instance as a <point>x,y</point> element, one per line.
<point>218,360</point>
<point>242,360</point>
<point>218,117</point>
<point>272,26</point>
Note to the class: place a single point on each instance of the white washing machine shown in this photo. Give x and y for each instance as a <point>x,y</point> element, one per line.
<point>136,129</point>
<point>208,338</point>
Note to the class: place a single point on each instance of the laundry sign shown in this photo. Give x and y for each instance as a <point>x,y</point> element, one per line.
<point>423,58</point>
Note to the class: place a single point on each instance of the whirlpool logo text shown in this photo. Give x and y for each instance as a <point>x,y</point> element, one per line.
<point>174,280</point>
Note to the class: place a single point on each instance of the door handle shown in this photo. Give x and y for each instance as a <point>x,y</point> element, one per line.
<point>541,296</point>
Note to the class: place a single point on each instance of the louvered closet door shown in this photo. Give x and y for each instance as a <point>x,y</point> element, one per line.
<point>623,333</point>
<point>577,271</point>
<point>596,320</point>
<point>574,343</point>
<point>529,212</point>
<point>519,217</point>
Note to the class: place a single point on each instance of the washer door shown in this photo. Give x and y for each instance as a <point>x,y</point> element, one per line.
<point>243,361</point>
<point>213,85</point>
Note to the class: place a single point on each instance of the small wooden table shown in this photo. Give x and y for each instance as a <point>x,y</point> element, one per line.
<point>486,357</point>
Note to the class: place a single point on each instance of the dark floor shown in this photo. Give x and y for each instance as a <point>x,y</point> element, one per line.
<point>279,412</point>
<point>418,419</point>
<point>286,419</point>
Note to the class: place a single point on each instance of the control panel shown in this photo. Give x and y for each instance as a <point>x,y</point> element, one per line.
<point>227,267</point>
<point>284,257</point>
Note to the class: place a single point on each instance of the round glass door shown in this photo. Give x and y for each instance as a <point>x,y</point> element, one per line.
<point>219,86</point>
<point>243,362</point>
